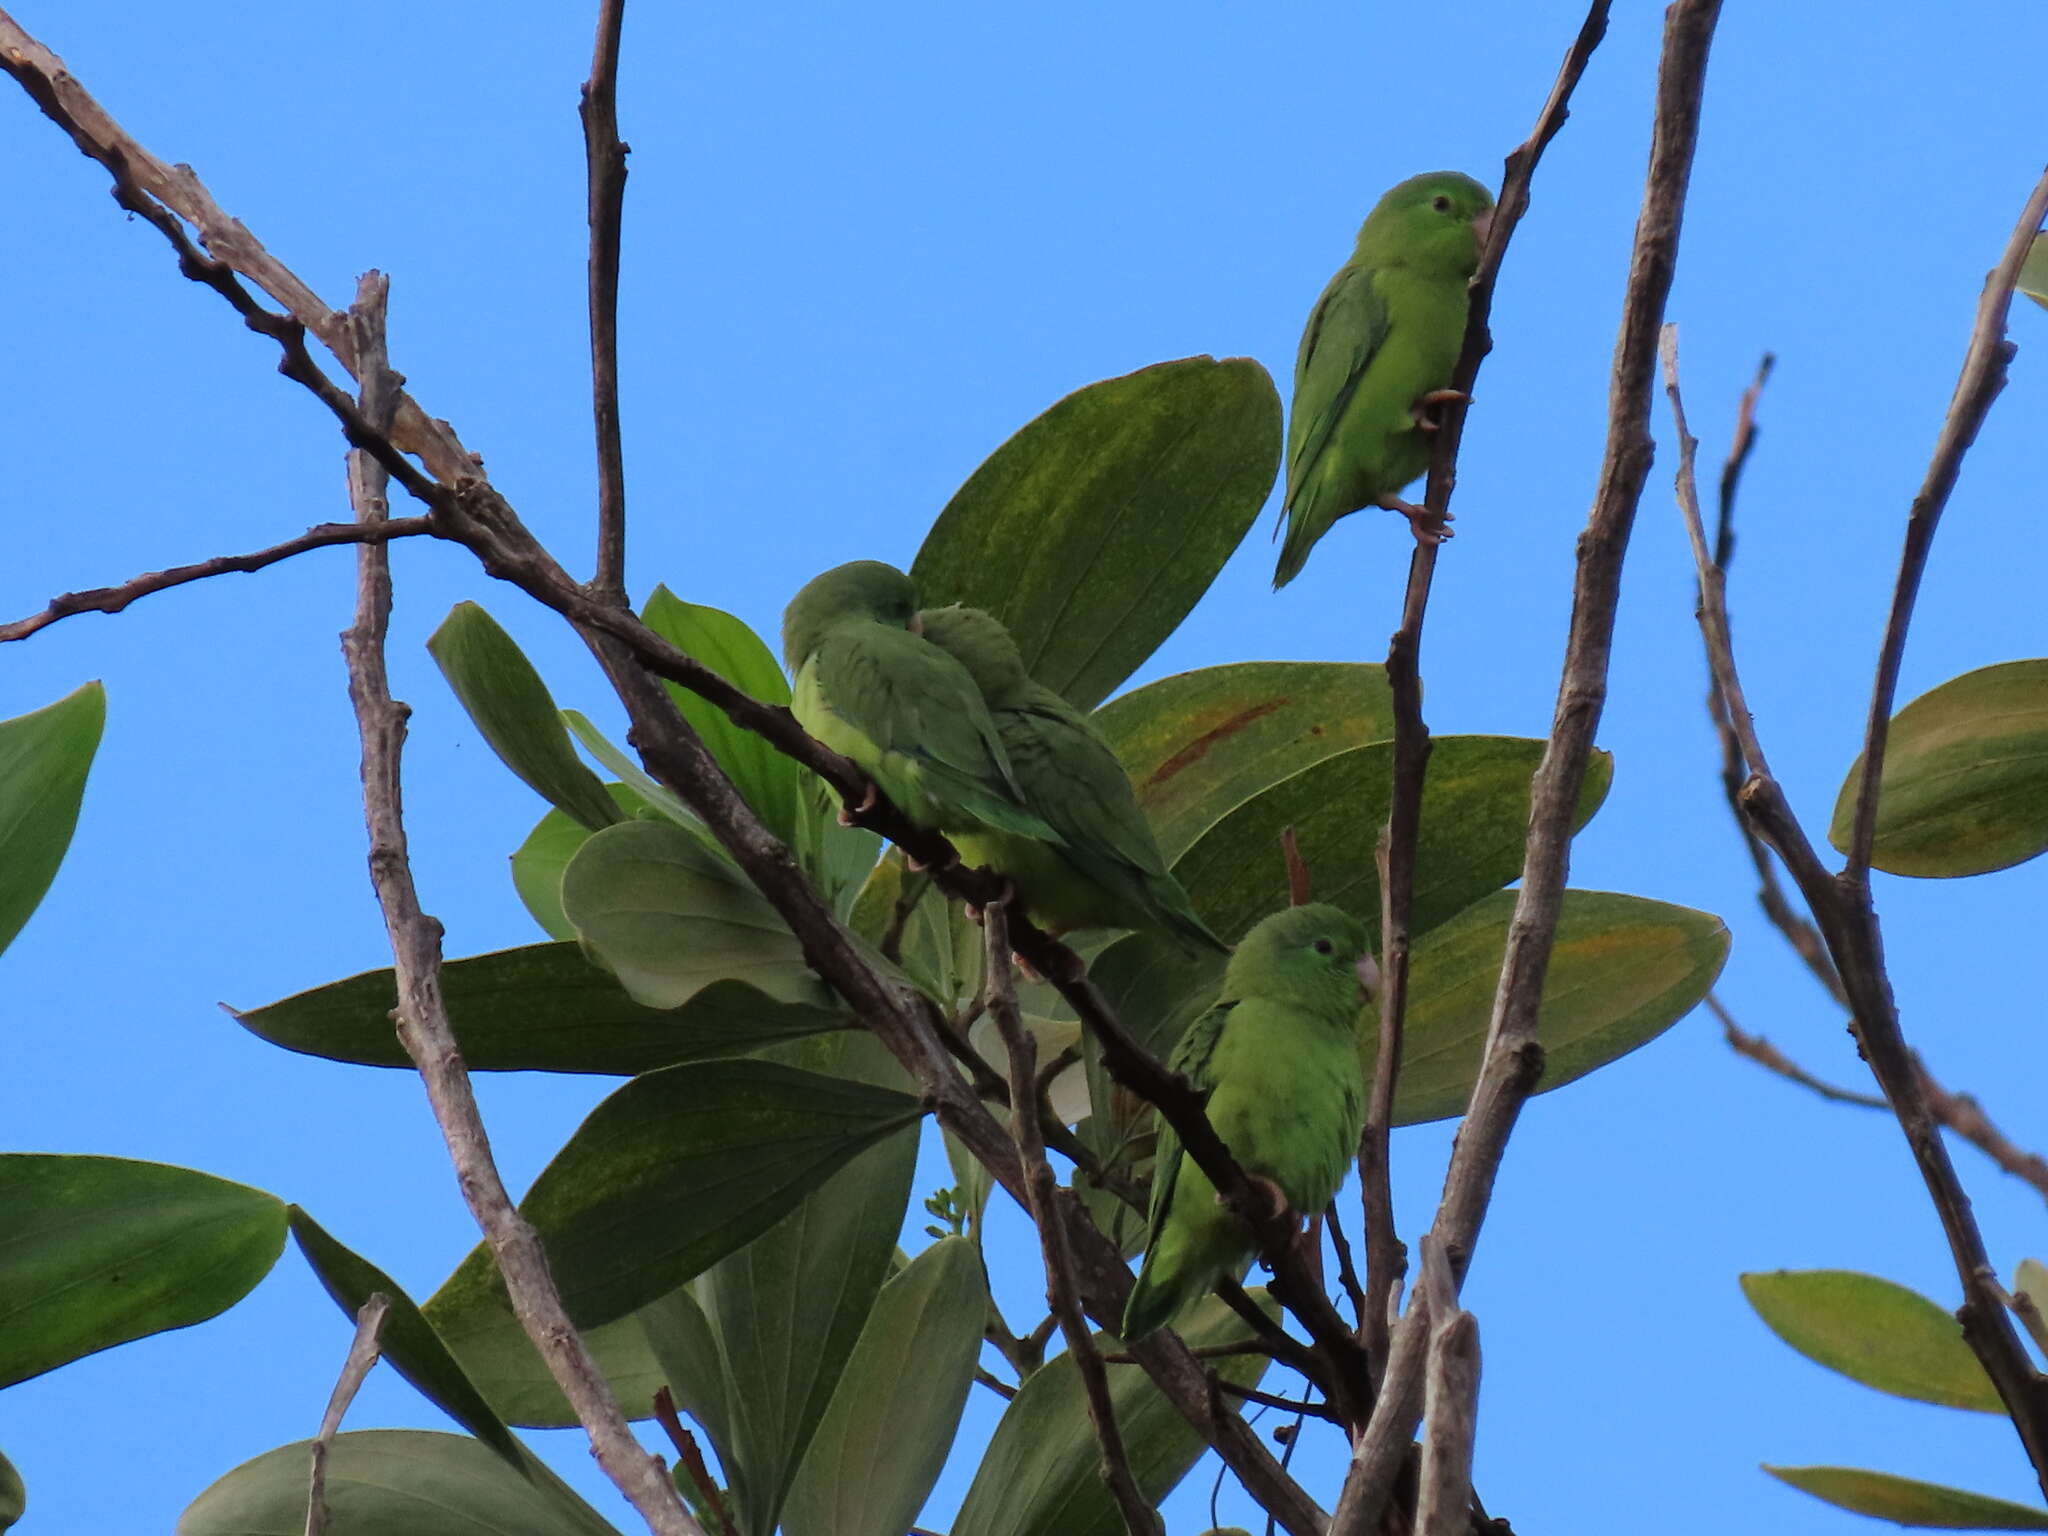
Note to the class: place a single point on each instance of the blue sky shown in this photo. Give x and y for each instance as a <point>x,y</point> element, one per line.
<point>862,248</point>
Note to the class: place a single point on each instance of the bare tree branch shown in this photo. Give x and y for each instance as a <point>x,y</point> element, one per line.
<point>362,1356</point>
<point>605,157</point>
<point>1386,1258</point>
<point>1041,1193</point>
<point>421,1016</point>
<point>1983,376</point>
<point>114,599</point>
<point>1443,1504</point>
<point>690,1454</point>
<point>1768,1056</point>
<point>1514,1059</point>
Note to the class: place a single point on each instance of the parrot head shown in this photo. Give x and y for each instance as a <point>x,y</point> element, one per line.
<point>1435,222</point>
<point>1313,954</point>
<point>977,640</point>
<point>860,590</point>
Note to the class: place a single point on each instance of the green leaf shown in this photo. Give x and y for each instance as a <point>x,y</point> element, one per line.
<point>785,1312</point>
<point>1624,970</point>
<point>885,1437</point>
<point>1965,783</point>
<point>1903,1501</point>
<point>96,1251</point>
<point>687,1353</point>
<point>514,711</point>
<point>669,919</point>
<point>495,1354</point>
<point>384,1482</point>
<point>2033,279</point>
<point>2030,1285</point>
<point>1875,1332</point>
<point>1475,815</point>
<point>537,863</point>
<point>1200,744</point>
<point>766,779</point>
<point>1094,530</point>
<point>941,948</point>
<point>1039,1476</point>
<point>543,1008</point>
<point>44,758</point>
<point>14,1493</point>
<point>674,1171</point>
<point>646,788</point>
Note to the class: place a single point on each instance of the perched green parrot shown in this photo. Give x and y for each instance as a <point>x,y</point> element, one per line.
<point>1376,361</point>
<point>1276,1056</point>
<point>870,688</point>
<point>1108,871</point>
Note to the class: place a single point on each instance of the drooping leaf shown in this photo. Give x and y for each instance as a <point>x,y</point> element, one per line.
<point>766,779</point>
<point>1624,970</point>
<point>1875,1332</point>
<point>515,713</point>
<point>13,1494</point>
<point>537,863</point>
<point>44,758</point>
<point>881,1444</point>
<point>1904,1501</point>
<point>1039,1476</point>
<point>785,1312</point>
<point>2033,279</point>
<point>1199,744</point>
<point>669,919</point>
<point>646,788</point>
<point>674,1171</point>
<point>542,1008</point>
<point>1475,815</point>
<point>385,1482</point>
<point>1094,530</point>
<point>1965,784</point>
<point>96,1251</point>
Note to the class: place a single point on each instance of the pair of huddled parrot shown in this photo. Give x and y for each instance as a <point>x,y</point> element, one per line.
<point>940,710</point>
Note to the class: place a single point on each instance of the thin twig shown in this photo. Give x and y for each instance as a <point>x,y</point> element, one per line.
<point>1386,1258</point>
<point>1513,1059</point>
<point>605,164</point>
<point>1001,1388</point>
<point>1983,376</point>
<point>1767,1055</point>
<point>362,1355</point>
<point>1274,1400</point>
<point>421,1016</point>
<point>691,1455</point>
<point>1855,942</point>
<point>114,599</point>
<point>1740,447</point>
<point>1042,1193</point>
<point>1347,1268</point>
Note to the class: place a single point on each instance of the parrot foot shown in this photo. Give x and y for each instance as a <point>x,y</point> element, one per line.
<point>1272,1193</point>
<point>1426,412</point>
<point>1430,527</point>
<point>867,803</point>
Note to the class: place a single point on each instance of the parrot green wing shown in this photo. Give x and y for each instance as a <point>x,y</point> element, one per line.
<point>913,700</point>
<point>1346,330</point>
<point>1194,1058</point>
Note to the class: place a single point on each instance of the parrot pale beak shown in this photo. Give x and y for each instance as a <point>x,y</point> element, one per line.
<point>1368,974</point>
<point>1481,227</point>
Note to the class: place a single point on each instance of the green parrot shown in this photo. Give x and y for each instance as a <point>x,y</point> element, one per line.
<point>872,689</point>
<point>1107,871</point>
<point>1276,1058</point>
<point>1376,359</point>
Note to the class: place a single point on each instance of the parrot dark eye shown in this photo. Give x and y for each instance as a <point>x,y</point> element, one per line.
<point>1440,203</point>
<point>1324,946</point>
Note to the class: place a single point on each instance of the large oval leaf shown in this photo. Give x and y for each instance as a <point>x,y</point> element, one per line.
<point>1475,816</point>
<point>786,1311</point>
<point>537,863</point>
<point>96,1251</point>
<point>1094,530</point>
<point>496,1355</point>
<point>543,1008</point>
<point>515,713</point>
<point>1040,1475</point>
<point>1199,744</point>
<point>766,779</point>
<point>1624,970</point>
<point>1875,1332</point>
<point>385,1482</point>
<point>1965,783</point>
<point>669,918</point>
<point>881,1444</point>
<point>1904,1501</point>
<point>671,1173</point>
<point>44,758</point>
